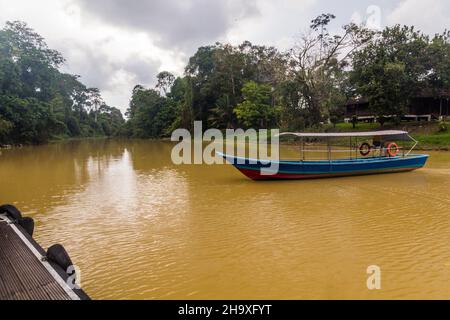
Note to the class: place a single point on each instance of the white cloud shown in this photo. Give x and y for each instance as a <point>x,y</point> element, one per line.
<point>278,23</point>
<point>172,23</point>
<point>431,16</point>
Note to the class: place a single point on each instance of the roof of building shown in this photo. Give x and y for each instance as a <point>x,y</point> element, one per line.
<point>424,93</point>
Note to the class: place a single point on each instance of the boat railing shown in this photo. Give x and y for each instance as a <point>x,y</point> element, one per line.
<point>353,153</point>
<point>347,150</point>
<point>375,150</point>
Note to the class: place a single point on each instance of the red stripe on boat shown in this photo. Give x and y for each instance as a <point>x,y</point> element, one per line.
<point>256,174</point>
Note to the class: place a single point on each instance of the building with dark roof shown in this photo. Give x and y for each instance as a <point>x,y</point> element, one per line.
<point>424,106</point>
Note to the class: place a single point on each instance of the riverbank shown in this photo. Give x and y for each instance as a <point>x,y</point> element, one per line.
<point>63,138</point>
<point>56,139</point>
<point>428,134</point>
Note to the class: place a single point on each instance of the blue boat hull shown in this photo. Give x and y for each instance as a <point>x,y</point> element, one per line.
<point>258,170</point>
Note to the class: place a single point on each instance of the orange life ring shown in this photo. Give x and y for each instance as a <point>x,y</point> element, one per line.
<point>364,149</point>
<point>392,149</point>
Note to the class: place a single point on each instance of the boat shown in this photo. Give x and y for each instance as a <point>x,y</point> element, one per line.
<point>369,153</point>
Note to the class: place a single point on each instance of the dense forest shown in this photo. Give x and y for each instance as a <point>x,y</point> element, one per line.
<point>223,85</point>
<point>228,86</point>
<point>37,101</point>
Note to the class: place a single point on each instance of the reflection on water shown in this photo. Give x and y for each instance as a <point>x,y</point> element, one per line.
<point>140,227</point>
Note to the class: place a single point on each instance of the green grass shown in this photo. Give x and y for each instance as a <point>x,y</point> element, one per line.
<point>362,126</point>
<point>441,140</point>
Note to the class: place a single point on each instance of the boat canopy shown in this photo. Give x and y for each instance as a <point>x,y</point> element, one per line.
<point>347,134</point>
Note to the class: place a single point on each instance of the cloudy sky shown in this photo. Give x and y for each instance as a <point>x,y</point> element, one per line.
<point>116,44</point>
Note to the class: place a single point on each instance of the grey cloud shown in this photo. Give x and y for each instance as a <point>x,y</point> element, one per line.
<point>92,65</point>
<point>144,70</point>
<point>97,68</point>
<point>173,23</point>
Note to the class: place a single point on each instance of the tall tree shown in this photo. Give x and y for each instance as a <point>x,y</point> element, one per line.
<point>165,81</point>
<point>438,77</point>
<point>316,65</point>
<point>150,114</point>
<point>37,100</point>
<point>258,109</point>
<point>390,69</point>
<point>94,101</point>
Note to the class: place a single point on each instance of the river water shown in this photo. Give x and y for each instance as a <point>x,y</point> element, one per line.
<point>140,227</point>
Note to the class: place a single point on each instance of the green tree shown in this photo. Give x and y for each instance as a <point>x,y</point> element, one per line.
<point>438,76</point>
<point>317,65</point>
<point>31,120</point>
<point>257,109</point>
<point>5,128</point>
<point>165,81</point>
<point>217,75</point>
<point>37,101</point>
<point>150,114</point>
<point>390,69</point>
<point>250,85</point>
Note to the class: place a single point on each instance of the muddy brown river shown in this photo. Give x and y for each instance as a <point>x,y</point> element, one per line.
<point>140,227</point>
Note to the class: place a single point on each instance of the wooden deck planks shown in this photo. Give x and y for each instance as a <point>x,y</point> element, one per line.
<point>22,275</point>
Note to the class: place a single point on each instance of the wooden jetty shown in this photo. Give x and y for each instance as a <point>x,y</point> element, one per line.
<point>27,271</point>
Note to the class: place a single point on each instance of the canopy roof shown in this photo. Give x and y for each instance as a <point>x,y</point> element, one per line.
<point>346,134</point>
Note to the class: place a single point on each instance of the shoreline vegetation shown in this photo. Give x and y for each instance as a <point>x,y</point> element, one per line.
<point>427,133</point>
<point>38,101</point>
<point>244,86</point>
